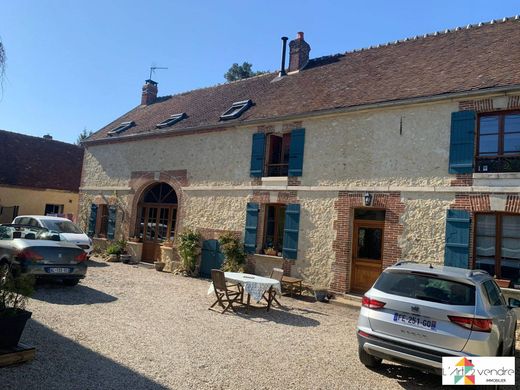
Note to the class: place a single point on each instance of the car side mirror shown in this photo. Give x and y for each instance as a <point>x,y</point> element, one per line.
<point>513,303</point>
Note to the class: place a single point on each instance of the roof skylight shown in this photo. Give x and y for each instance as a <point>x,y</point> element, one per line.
<point>122,127</point>
<point>173,119</point>
<point>236,109</point>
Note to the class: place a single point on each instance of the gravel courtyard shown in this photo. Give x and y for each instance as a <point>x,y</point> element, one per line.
<point>130,327</point>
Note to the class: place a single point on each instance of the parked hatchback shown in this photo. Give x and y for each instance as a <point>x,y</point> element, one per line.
<point>67,230</point>
<point>415,314</point>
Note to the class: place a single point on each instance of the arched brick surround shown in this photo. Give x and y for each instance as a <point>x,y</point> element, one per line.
<point>142,180</point>
<point>342,246</point>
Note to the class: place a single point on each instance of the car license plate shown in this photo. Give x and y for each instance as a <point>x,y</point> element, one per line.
<point>421,322</point>
<point>60,270</point>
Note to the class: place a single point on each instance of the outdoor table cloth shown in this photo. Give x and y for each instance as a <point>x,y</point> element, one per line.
<point>253,285</point>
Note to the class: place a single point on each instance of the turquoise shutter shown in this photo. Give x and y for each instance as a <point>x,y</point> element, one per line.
<point>251,227</point>
<point>462,141</point>
<point>456,253</point>
<point>92,220</point>
<point>296,152</point>
<point>290,231</point>
<point>257,155</point>
<point>111,228</point>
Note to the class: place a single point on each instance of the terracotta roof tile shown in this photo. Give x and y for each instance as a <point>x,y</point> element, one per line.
<point>39,163</point>
<point>459,60</point>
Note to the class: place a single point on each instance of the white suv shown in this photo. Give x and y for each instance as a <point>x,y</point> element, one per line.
<point>416,313</point>
<point>68,231</point>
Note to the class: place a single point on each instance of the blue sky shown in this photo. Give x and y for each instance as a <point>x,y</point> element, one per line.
<point>81,64</point>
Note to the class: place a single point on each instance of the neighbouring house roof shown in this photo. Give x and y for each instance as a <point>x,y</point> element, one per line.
<point>35,162</point>
<point>473,58</point>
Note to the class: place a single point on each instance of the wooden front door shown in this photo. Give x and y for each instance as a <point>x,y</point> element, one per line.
<point>367,251</point>
<point>158,224</point>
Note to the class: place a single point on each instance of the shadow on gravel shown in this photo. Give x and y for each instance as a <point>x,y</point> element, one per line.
<point>62,363</point>
<point>94,263</point>
<point>58,294</point>
<point>280,316</point>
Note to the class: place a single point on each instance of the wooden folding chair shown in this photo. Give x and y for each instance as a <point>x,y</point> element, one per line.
<point>270,295</point>
<point>225,295</point>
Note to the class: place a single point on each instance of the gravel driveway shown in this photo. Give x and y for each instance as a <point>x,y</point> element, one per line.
<point>130,327</point>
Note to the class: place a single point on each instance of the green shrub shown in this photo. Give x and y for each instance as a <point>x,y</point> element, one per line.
<point>113,249</point>
<point>15,293</point>
<point>233,250</point>
<point>189,244</point>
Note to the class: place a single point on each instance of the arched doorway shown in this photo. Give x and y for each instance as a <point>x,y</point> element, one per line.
<point>157,214</point>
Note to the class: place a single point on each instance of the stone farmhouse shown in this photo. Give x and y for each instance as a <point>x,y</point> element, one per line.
<point>333,168</point>
<point>38,176</point>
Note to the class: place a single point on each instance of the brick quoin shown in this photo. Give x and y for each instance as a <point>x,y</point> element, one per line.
<point>342,245</point>
<point>462,180</point>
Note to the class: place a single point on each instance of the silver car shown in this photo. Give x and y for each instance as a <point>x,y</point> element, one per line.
<point>415,314</point>
<point>40,252</point>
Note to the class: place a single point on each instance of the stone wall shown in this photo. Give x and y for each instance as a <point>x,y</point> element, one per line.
<point>424,225</point>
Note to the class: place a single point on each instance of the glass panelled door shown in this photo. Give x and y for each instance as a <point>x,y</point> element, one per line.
<point>156,220</point>
<point>367,249</point>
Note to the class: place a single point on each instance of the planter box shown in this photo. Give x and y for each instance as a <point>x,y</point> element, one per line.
<point>135,250</point>
<point>11,328</point>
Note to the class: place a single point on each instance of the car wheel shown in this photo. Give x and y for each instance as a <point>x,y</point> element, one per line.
<point>5,270</point>
<point>70,282</point>
<point>367,359</point>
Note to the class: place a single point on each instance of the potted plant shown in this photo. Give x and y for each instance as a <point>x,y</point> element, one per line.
<point>270,251</point>
<point>159,265</point>
<point>113,251</point>
<point>123,255</point>
<point>502,283</point>
<point>321,294</point>
<point>188,247</point>
<point>14,294</point>
<point>233,250</point>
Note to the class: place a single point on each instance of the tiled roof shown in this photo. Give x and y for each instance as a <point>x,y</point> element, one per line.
<point>464,59</point>
<point>35,162</point>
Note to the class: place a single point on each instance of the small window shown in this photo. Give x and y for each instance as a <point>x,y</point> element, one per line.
<point>278,150</point>
<point>171,120</point>
<point>236,110</point>
<point>369,214</point>
<point>53,209</point>
<point>274,227</point>
<point>122,127</point>
<point>498,142</point>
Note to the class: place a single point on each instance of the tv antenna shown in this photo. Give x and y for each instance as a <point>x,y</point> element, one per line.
<point>153,69</point>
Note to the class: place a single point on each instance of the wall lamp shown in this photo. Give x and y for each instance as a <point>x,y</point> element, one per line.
<point>368,198</point>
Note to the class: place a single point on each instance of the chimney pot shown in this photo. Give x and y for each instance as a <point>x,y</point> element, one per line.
<point>149,93</point>
<point>47,136</point>
<point>298,53</point>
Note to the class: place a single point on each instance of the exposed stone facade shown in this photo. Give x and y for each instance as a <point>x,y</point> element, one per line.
<point>399,155</point>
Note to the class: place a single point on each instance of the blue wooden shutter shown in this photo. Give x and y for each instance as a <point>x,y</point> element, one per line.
<point>456,253</point>
<point>290,231</point>
<point>111,228</point>
<point>92,220</point>
<point>257,155</point>
<point>462,141</point>
<point>296,152</point>
<point>251,228</point>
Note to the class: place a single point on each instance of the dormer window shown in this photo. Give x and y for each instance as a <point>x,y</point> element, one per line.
<point>122,127</point>
<point>236,110</point>
<point>171,120</point>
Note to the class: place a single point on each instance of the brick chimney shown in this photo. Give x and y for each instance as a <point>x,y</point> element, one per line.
<point>298,53</point>
<point>149,94</point>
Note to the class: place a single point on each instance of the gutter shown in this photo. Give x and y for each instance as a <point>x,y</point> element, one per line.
<point>495,91</point>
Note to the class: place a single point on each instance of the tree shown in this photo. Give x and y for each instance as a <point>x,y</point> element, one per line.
<point>239,72</point>
<point>83,136</point>
<point>3,59</point>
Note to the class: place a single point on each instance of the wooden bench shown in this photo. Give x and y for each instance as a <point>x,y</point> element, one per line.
<point>292,285</point>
